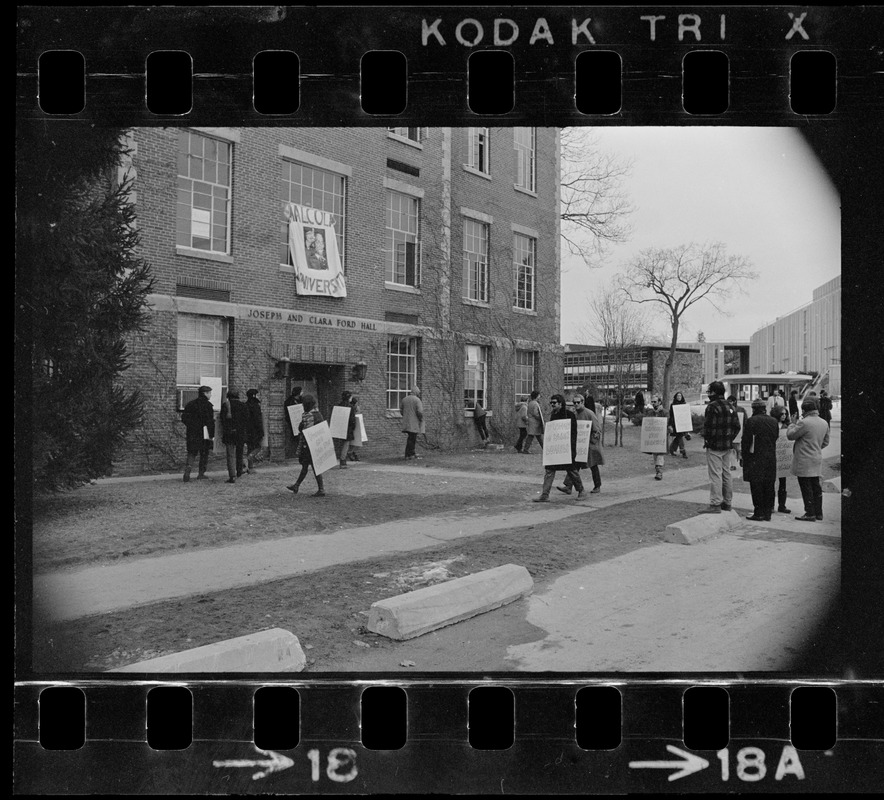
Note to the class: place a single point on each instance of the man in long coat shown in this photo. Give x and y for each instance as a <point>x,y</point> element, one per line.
<point>582,411</point>
<point>199,420</point>
<point>254,427</point>
<point>557,412</point>
<point>759,453</point>
<point>810,435</point>
<point>534,422</point>
<point>412,411</point>
<point>234,420</point>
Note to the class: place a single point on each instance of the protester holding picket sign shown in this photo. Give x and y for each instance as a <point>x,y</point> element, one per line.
<point>679,437</point>
<point>582,411</point>
<point>311,417</point>
<point>656,411</point>
<point>346,398</point>
<point>566,459</point>
<point>355,439</point>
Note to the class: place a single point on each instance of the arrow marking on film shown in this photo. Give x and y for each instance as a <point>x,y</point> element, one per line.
<point>688,764</point>
<point>276,763</point>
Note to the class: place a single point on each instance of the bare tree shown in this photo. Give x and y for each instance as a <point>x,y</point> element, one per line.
<point>678,277</point>
<point>594,209</point>
<point>621,330</point>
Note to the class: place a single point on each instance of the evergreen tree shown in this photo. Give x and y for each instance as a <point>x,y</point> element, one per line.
<point>80,290</point>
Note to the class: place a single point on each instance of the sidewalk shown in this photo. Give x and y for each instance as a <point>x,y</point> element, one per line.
<point>98,590</point>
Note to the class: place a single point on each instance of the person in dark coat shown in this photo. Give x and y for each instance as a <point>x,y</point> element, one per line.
<point>557,412</point>
<point>346,398</point>
<point>479,414</point>
<point>199,419</point>
<point>311,417</point>
<point>826,407</point>
<point>234,420</point>
<point>793,405</point>
<point>784,459</point>
<point>356,433</point>
<point>293,399</point>
<point>759,451</point>
<point>254,427</point>
<point>639,403</point>
<point>534,423</point>
<point>678,438</point>
<point>583,409</point>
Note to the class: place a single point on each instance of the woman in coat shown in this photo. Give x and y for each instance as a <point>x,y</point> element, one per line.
<point>784,459</point>
<point>582,410</point>
<point>557,412</point>
<point>759,451</point>
<point>534,422</point>
<point>355,439</point>
<point>678,441</point>
<point>346,400</point>
<point>521,422</point>
<point>311,417</point>
<point>810,435</point>
<point>254,428</point>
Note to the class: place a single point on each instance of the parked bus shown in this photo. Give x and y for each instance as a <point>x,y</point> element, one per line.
<point>747,387</point>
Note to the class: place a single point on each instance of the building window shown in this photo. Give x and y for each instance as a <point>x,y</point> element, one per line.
<point>402,247</point>
<point>414,134</point>
<point>203,208</point>
<point>526,364</point>
<point>401,369</point>
<point>475,260</point>
<point>202,353</point>
<point>524,143</point>
<point>478,144</point>
<point>475,387</point>
<point>314,188</point>
<point>524,254</point>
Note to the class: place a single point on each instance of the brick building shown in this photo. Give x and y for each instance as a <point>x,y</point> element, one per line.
<point>447,241</point>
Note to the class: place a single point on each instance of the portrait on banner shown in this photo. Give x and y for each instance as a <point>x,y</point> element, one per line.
<point>314,249</point>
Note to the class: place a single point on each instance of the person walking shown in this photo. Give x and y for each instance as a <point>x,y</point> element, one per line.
<point>198,417</point>
<point>311,417</point>
<point>679,438</point>
<point>254,428</point>
<point>233,433</point>
<point>572,468</point>
<point>582,406</point>
<point>293,399</point>
<point>535,424</point>
<point>412,411</point>
<point>720,427</point>
<point>759,449</point>
<point>657,411</point>
<point>479,414</point>
<point>811,435</point>
<point>352,455</point>
<point>521,422</point>
<point>346,397</point>
<point>784,459</point>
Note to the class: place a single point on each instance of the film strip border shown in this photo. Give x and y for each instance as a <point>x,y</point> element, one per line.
<point>479,736</point>
<point>280,65</point>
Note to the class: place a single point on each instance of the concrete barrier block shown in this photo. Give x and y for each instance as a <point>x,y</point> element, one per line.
<point>276,650</point>
<point>832,485</point>
<point>414,613</point>
<point>695,529</point>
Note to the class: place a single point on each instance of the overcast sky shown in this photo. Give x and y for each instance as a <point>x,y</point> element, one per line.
<point>760,191</point>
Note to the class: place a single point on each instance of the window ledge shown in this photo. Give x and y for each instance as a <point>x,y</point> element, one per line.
<point>390,414</point>
<point>478,172</point>
<point>401,287</point>
<point>468,412</point>
<point>405,140</point>
<point>206,254</point>
<point>527,311</point>
<point>478,303</point>
<point>287,268</point>
<point>523,190</point>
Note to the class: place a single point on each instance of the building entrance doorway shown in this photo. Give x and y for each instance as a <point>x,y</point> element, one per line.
<point>324,381</point>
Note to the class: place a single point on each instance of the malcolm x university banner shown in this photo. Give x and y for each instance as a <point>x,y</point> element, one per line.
<point>314,249</point>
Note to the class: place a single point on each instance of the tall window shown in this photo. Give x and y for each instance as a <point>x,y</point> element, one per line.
<point>475,376</point>
<point>479,143</point>
<point>525,381</point>
<point>202,353</point>
<point>401,369</point>
<point>203,208</point>
<point>415,134</point>
<point>524,142</point>
<point>475,260</point>
<point>315,188</point>
<point>402,247</point>
<point>524,253</point>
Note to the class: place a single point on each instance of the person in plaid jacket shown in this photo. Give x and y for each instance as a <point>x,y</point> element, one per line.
<point>719,429</point>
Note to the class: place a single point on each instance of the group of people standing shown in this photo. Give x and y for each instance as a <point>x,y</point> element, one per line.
<point>242,426</point>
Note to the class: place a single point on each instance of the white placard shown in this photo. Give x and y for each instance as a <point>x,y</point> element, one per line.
<point>584,431</point>
<point>363,436</point>
<point>681,413</point>
<point>339,419</point>
<point>322,449</point>
<point>739,437</point>
<point>653,439</point>
<point>296,412</point>
<point>215,384</point>
<point>557,442</point>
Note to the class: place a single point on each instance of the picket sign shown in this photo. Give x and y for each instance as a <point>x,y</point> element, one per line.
<point>557,442</point>
<point>296,412</point>
<point>339,419</point>
<point>739,437</point>
<point>681,413</point>
<point>322,449</point>
<point>653,438</point>
<point>363,436</point>
<point>584,430</point>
